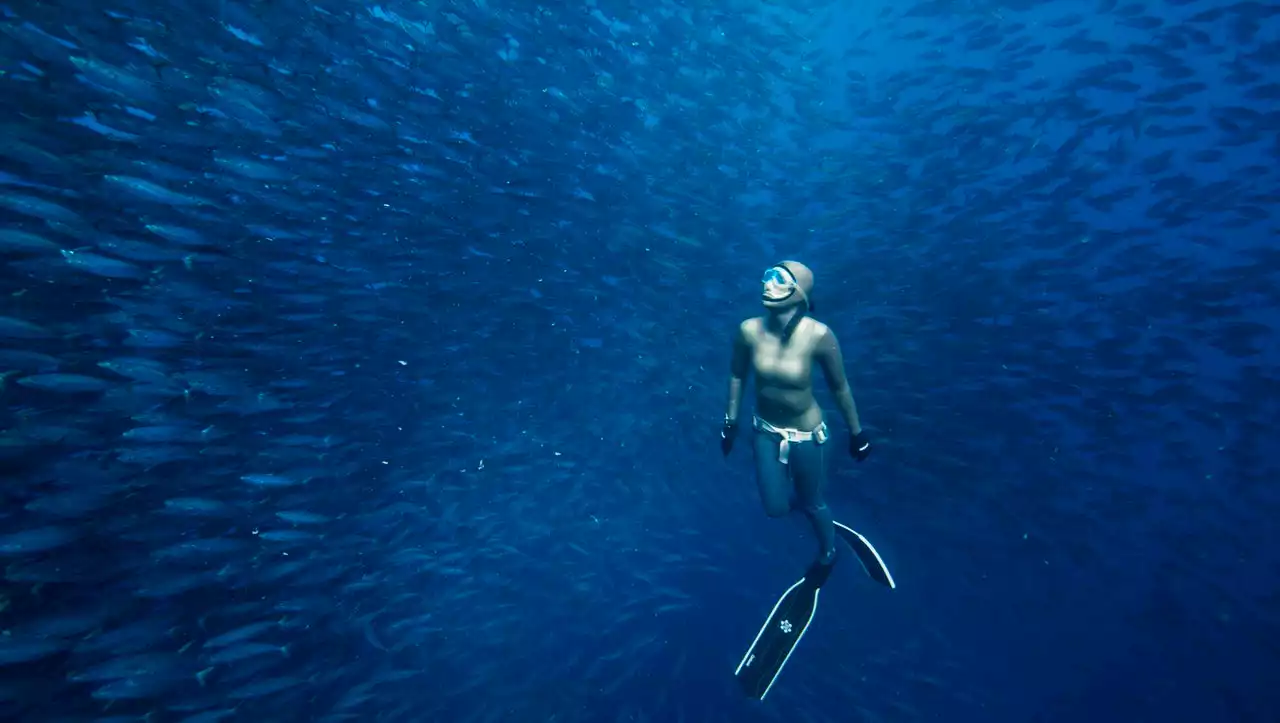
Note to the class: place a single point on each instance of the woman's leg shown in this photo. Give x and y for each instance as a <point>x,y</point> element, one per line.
<point>809,468</point>
<point>771,474</point>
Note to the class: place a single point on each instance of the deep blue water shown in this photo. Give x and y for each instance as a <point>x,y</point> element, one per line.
<point>367,362</point>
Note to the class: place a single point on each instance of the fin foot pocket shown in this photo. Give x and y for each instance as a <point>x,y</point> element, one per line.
<point>820,570</point>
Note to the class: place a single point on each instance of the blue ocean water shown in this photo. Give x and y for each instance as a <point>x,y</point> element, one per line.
<point>366,362</point>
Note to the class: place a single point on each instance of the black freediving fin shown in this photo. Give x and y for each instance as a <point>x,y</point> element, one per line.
<point>867,555</point>
<point>781,633</point>
<point>794,611</point>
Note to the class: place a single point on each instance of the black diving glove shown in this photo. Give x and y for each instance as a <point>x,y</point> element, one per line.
<point>728,433</point>
<point>860,445</point>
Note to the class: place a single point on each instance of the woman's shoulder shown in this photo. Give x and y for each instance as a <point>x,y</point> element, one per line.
<point>750,328</point>
<point>816,328</point>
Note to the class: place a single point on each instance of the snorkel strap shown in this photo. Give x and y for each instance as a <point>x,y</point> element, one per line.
<point>800,313</point>
<point>791,325</point>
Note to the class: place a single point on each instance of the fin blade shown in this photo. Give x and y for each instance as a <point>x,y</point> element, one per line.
<point>867,555</point>
<point>778,638</point>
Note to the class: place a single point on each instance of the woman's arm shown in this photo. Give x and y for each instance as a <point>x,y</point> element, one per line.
<point>832,363</point>
<point>739,370</point>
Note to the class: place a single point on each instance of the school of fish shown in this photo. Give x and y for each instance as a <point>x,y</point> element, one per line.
<point>364,362</point>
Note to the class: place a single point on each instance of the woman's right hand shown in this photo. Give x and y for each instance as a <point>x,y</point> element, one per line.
<point>728,433</point>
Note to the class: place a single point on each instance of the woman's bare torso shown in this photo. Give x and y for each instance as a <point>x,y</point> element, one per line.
<point>784,374</point>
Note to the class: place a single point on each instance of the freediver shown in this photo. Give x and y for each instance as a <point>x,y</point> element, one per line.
<point>790,436</point>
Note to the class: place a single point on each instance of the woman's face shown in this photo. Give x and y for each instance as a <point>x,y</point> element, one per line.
<point>778,283</point>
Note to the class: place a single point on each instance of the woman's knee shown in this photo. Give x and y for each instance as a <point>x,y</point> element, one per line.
<point>811,507</point>
<point>776,507</point>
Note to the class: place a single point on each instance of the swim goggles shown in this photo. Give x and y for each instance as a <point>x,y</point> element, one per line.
<point>780,284</point>
<point>779,276</point>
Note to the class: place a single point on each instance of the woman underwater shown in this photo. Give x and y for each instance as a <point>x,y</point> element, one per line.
<point>789,437</point>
